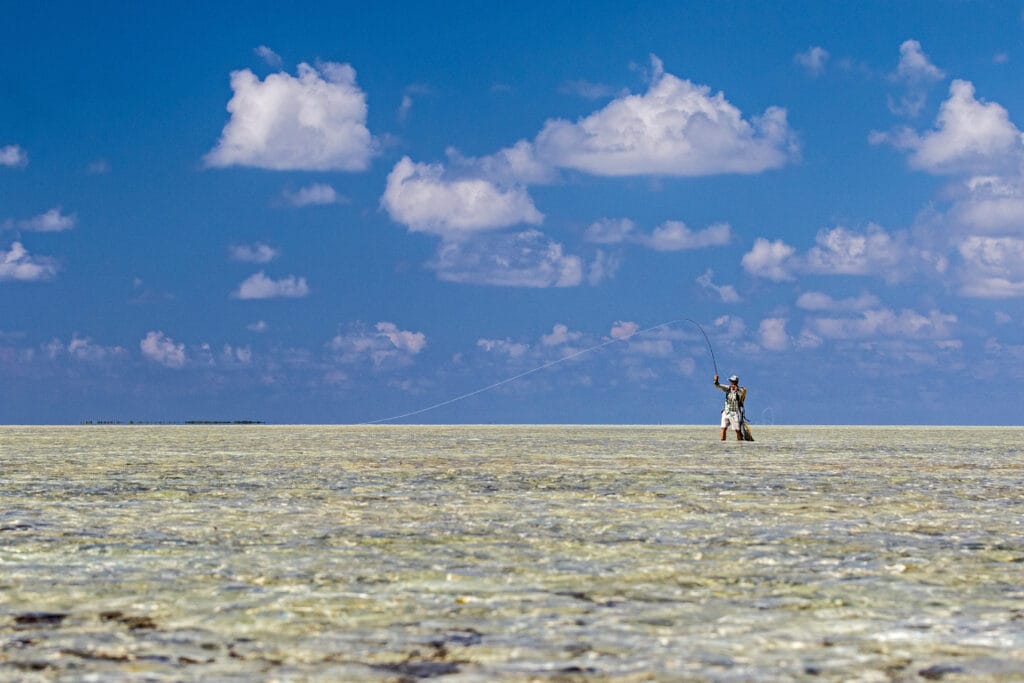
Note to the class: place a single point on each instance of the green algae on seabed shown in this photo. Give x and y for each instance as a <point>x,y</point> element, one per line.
<point>510,553</point>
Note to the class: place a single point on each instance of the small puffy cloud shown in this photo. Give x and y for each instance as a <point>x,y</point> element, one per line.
<point>259,326</point>
<point>675,236</point>
<point>610,231</point>
<point>50,221</point>
<point>417,89</point>
<point>422,198</point>
<point>669,236</point>
<point>813,60</point>
<point>253,253</point>
<point>509,166</point>
<point>159,348</point>
<point>726,293</point>
<point>259,286</point>
<point>990,205</point>
<point>843,252</point>
<point>525,259</point>
<point>883,322</point>
<point>771,260</point>
<point>82,349</point>
<point>819,301</point>
<point>17,264</point>
<point>729,327</point>
<point>271,58</point>
<point>315,194</point>
<point>560,334</point>
<point>623,329</point>
<point>386,344</point>
<point>236,355</point>
<point>506,346</point>
<point>970,136</point>
<point>315,120</point>
<point>914,66</point>
<point>993,267</point>
<point>403,340</point>
<point>772,334</point>
<point>13,156</point>
<point>676,128</point>
<point>915,72</point>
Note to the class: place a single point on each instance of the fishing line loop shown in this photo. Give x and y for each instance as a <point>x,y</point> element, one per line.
<point>545,366</point>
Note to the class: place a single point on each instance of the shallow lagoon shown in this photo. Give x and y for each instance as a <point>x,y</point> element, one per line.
<point>511,553</point>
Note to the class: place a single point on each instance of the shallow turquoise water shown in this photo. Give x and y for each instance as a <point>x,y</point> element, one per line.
<point>511,553</point>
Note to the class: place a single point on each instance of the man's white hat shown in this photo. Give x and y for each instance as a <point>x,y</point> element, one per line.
<point>734,378</point>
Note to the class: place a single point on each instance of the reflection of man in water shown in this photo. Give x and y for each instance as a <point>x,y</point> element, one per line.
<point>732,413</point>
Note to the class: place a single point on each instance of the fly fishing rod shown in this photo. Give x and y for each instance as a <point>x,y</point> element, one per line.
<point>706,341</point>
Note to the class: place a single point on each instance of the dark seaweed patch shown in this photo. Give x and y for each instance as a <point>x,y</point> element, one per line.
<point>40,619</point>
<point>135,623</point>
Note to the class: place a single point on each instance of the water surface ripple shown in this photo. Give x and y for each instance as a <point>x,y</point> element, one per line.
<point>519,553</point>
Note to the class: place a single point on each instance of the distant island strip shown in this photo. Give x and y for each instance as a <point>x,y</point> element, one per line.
<point>186,422</point>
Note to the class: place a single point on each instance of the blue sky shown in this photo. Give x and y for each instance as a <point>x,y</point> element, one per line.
<point>347,212</point>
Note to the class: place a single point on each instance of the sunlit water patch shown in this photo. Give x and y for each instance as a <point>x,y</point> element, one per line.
<point>511,553</point>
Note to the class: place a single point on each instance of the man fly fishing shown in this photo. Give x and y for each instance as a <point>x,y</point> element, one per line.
<point>732,412</point>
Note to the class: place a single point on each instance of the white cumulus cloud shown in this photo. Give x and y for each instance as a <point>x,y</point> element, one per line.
<point>17,264</point>
<point>813,60</point>
<point>271,58</point>
<point>259,286</point>
<point>915,66</point>
<point>623,329</point>
<point>50,221</point>
<point>883,322</point>
<point>507,346</point>
<point>13,156</point>
<point>560,334</point>
<point>971,136</point>
<point>771,260</point>
<point>819,301</point>
<point>159,348</point>
<point>421,197</point>
<point>403,340</point>
<point>675,236</point>
<point>610,231</point>
<point>994,266</point>
<point>315,120</point>
<point>676,128</point>
<point>843,252</point>
<point>315,194</point>
<point>386,344</point>
<point>915,73</point>
<point>82,349</point>
<point>727,293</point>
<point>253,253</point>
<point>525,259</point>
<point>772,333</point>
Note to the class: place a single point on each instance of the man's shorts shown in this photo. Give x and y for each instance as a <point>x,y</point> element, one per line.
<point>733,418</point>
